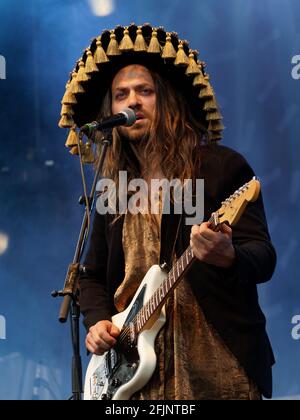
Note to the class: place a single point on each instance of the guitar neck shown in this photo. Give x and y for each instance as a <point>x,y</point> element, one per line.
<point>173,278</point>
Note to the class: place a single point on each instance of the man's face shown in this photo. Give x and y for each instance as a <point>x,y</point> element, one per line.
<point>133,87</point>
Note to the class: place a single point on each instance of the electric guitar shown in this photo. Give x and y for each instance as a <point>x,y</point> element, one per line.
<point>129,365</point>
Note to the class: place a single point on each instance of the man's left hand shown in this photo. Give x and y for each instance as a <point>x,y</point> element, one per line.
<point>213,247</point>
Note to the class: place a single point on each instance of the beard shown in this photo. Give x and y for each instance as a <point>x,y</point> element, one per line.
<point>134,135</point>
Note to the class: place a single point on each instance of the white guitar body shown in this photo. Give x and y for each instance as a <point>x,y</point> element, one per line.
<point>106,378</point>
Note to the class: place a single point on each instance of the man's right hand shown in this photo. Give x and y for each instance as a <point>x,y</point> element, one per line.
<point>101,337</point>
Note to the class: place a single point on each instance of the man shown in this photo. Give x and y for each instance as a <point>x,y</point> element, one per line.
<point>214,344</point>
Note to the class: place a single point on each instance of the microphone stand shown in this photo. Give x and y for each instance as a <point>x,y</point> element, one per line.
<point>70,291</point>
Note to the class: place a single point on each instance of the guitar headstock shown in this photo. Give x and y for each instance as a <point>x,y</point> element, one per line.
<point>233,207</point>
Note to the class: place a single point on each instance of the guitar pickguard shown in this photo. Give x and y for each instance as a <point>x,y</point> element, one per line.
<point>138,303</point>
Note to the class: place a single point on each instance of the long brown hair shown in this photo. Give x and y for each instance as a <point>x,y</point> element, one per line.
<point>173,143</point>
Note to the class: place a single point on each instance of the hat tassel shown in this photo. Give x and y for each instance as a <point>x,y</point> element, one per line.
<point>154,46</point>
<point>88,155</point>
<point>100,57</point>
<point>82,76</point>
<point>181,57</point>
<point>126,43</point>
<point>113,47</point>
<point>72,140</point>
<point>193,68</point>
<point>140,43</point>
<point>168,50</point>
<point>90,66</point>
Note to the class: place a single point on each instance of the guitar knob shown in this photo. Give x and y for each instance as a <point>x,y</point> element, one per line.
<point>116,383</point>
<point>106,397</point>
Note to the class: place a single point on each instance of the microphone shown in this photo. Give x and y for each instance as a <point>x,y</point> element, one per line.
<point>126,117</point>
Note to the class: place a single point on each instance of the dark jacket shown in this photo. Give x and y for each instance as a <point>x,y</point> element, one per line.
<point>228,297</point>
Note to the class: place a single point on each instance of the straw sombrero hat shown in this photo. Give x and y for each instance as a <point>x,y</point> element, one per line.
<point>152,47</point>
